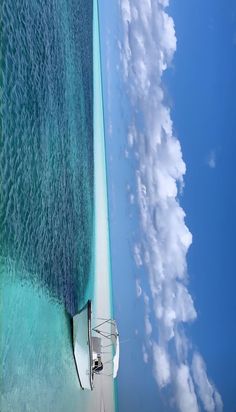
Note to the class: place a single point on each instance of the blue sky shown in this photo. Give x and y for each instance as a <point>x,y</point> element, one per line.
<point>171,151</point>
<point>209,135</point>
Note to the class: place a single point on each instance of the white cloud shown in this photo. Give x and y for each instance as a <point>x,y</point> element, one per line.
<point>185,394</point>
<point>138,288</point>
<point>137,254</point>
<point>207,392</point>
<point>147,49</point>
<point>145,354</point>
<point>161,365</point>
<point>147,323</point>
<point>131,136</point>
<point>211,159</point>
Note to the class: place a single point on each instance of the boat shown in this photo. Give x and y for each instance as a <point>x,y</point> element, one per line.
<point>95,346</point>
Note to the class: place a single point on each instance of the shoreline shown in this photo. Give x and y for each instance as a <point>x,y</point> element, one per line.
<point>104,388</point>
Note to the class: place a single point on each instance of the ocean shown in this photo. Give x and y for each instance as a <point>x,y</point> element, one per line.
<point>49,216</point>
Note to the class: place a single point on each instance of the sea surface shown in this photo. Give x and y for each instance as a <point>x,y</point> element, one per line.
<point>46,198</point>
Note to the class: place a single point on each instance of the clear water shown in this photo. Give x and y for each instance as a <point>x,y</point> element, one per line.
<point>47,143</point>
<point>46,198</point>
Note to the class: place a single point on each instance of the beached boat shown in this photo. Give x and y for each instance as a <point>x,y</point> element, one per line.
<point>95,346</point>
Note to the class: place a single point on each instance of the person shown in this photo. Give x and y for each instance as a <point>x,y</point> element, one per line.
<point>98,365</point>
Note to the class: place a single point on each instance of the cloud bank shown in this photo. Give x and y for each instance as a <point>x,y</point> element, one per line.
<point>148,45</point>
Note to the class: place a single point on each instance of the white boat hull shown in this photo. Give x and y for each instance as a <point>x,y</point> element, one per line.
<point>82,346</point>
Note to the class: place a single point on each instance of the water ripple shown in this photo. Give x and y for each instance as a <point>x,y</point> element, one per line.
<point>46,148</point>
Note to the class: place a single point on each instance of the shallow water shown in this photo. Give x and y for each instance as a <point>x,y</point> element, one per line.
<point>46,198</point>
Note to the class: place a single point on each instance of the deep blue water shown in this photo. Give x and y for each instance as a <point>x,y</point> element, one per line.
<point>46,197</point>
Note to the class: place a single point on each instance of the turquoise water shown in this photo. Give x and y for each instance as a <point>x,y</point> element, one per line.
<point>46,198</point>
<point>46,218</point>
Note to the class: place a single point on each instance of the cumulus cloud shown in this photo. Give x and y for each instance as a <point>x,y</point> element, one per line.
<point>185,393</point>
<point>161,365</point>
<point>148,45</point>
<point>207,392</point>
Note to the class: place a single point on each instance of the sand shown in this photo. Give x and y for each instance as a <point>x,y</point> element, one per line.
<point>102,398</point>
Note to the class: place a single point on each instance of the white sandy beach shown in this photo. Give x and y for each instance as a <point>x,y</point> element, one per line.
<point>102,398</point>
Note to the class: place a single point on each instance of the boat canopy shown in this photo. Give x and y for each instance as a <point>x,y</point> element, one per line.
<point>109,331</point>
